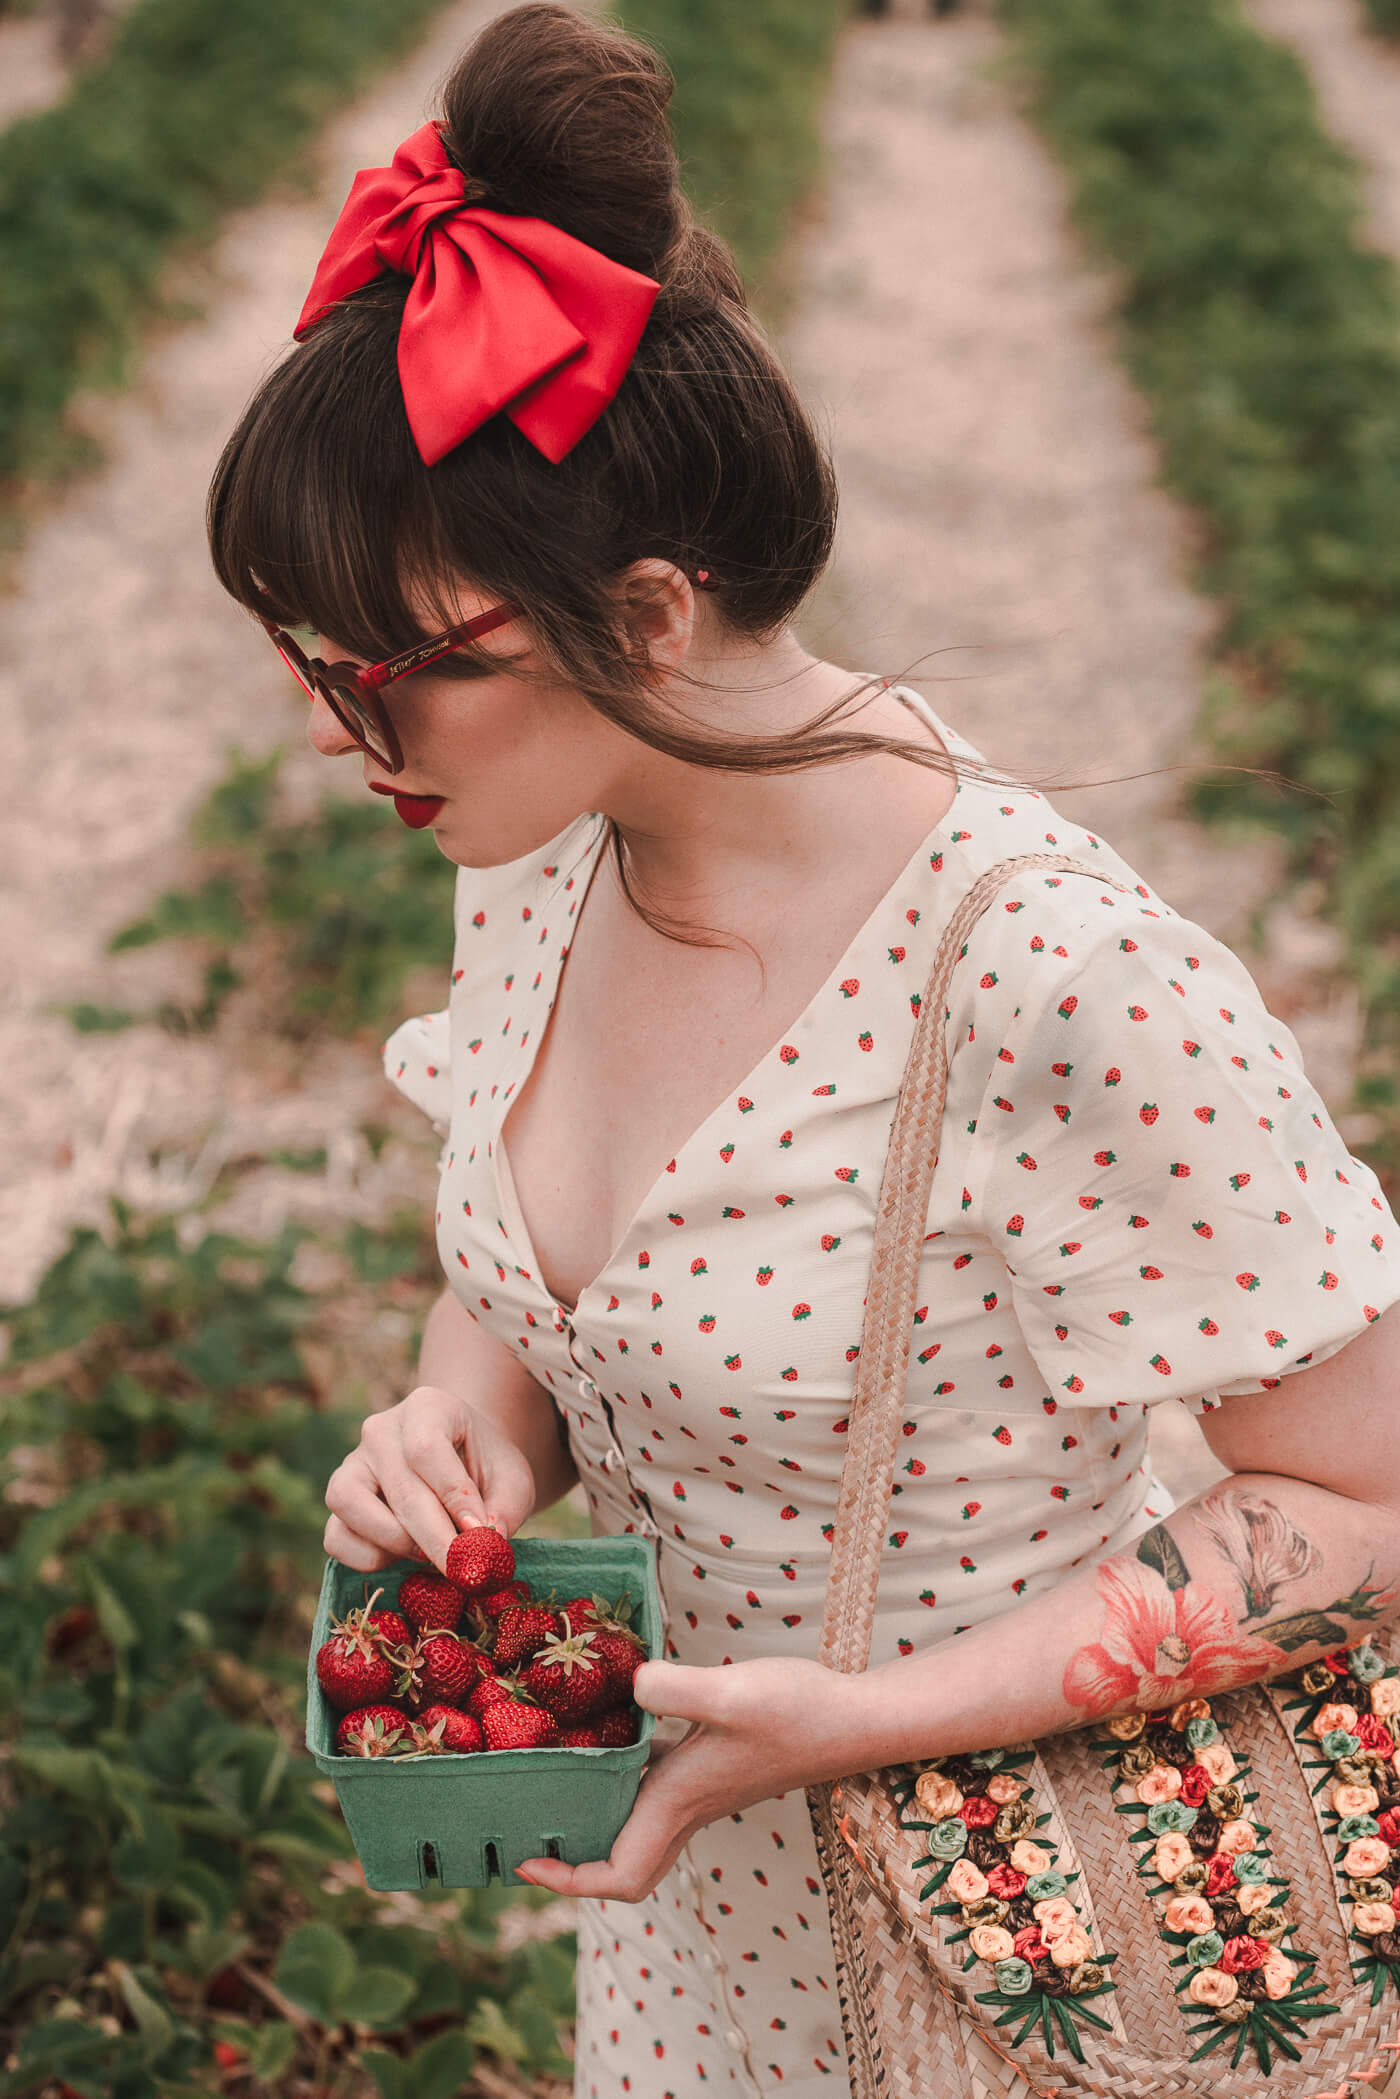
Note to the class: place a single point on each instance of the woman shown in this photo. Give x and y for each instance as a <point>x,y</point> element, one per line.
<point>545,496</point>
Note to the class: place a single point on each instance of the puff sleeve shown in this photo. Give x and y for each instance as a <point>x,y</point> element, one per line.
<point>1178,1214</point>
<point>418,1060</point>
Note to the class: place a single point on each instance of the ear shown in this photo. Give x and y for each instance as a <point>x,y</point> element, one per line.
<point>658,601</point>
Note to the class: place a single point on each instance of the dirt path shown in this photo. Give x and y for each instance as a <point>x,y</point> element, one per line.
<point>127,678</point>
<point>998,482</point>
<point>998,497</point>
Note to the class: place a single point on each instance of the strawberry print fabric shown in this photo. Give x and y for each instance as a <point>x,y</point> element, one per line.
<point>1139,1198</point>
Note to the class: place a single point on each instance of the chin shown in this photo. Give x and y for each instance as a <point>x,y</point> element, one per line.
<point>501,850</point>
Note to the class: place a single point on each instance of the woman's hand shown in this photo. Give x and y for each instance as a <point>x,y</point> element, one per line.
<point>421,1472</point>
<point>758,1729</point>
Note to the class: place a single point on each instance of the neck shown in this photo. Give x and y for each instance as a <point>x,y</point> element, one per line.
<point>695,836</point>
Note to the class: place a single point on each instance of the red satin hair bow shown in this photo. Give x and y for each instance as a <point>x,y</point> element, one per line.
<point>505,314</point>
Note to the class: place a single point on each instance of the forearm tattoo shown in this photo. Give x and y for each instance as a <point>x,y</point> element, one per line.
<point>1166,1636</point>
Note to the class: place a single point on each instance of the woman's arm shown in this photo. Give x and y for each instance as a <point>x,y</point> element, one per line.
<point>478,1441</point>
<point>1296,1553</point>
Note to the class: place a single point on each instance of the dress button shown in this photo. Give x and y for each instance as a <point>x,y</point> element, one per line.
<point>711,1961</point>
<point>612,1458</point>
<point>586,1387</point>
<point>735,2040</point>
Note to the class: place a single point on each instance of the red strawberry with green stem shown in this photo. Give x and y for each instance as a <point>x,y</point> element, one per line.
<point>440,1730</point>
<point>373,1730</point>
<point>353,1666</point>
<point>569,1677</point>
<point>522,1631</point>
<point>438,1669</point>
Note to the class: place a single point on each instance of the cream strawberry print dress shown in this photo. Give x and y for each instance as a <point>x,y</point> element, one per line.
<point>1139,1199</point>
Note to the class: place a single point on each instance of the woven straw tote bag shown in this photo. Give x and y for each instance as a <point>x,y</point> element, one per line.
<point>1298,1949</point>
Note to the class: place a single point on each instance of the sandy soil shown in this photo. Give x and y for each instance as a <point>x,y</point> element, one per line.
<point>127,679</point>
<point>998,503</point>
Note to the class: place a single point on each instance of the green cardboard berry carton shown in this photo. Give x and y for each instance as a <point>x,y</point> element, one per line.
<point>463,1821</point>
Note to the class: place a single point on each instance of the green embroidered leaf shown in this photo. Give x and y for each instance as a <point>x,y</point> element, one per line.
<point>1259,2034</point>
<point>1304,1629</point>
<point>1017,2038</point>
<point>1159,1549</point>
<point>1212,2042</point>
<point>1046,2028</point>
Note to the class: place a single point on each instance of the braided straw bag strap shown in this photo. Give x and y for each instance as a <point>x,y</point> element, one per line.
<point>867,1474</point>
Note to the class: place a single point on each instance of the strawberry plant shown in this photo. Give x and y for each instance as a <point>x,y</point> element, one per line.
<point>178,1896</point>
<point>1264,330</point>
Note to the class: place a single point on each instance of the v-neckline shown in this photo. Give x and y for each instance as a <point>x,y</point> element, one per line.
<point>507,1195</point>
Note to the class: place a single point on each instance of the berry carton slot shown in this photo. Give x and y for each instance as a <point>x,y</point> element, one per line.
<point>407,1687</point>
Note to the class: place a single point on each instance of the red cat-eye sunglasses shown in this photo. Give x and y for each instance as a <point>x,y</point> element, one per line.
<point>352,690</point>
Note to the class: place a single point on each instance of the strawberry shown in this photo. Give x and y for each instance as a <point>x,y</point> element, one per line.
<point>504,1599</point>
<point>440,1730</point>
<point>569,1678</point>
<point>617,1729</point>
<point>621,1654</point>
<point>480,1560</point>
<point>374,1730</point>
<point>513,1724</point>
<point>522,1631</point>
<point>352,1667</point>
<point>490,1691</point>
<point>430,1603</point>
<point>610,1730</point>
<point>389,1627</point>
<point>439,1669</point>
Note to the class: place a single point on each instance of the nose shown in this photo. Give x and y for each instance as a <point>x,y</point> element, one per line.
<point>325,732</point>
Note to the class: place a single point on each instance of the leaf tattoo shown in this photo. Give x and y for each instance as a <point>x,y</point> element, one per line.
<point>1364,1606</point>
<point>1265,1548</point>
<point>1158,1548</point>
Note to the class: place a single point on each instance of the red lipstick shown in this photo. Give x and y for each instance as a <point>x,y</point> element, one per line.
<point>416,810</point>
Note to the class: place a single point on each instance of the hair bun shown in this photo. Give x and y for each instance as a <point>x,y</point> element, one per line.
<point>553,116</point>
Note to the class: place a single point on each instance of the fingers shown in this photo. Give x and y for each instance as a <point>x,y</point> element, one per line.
<point>353,1551</point>
<point>507,1484</point>
<point>363,1523</point>
<point>679,1692</point>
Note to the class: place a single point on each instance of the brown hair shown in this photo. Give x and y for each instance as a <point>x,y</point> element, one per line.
<point>322,513</point>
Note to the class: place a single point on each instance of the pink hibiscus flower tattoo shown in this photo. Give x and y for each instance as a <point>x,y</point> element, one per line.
<point>1160,1645</point>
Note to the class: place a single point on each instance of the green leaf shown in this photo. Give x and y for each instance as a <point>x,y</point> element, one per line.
<point>1158,1548</point>
<point>275,2046</point>
<point>388,2071</point>
<point>380,1996</point>
<point>490,2029</point>
<point>440,2068</point>
<point>147,1858</point>
<point>316,1969</point>
<point>154,2022</point>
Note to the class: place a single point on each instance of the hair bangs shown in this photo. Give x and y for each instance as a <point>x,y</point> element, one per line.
<point>306,528</point>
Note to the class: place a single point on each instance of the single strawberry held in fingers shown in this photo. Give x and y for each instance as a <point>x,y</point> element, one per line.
<point>480,1560</point>
<point>375,1730</point>
<point>430,1603</point>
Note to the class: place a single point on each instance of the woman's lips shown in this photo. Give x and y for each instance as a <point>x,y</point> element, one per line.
<point>416,810</point>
